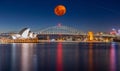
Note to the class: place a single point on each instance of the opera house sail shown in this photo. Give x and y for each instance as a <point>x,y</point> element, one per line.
<point>24,34</point>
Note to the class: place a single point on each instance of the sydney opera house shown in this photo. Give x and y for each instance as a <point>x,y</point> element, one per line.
<point>23,34</point>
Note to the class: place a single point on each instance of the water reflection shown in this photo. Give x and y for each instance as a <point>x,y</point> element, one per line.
<point>14,54</point>
<point>59,57</point>
<point>27,57</point>
<point>77,57</point>
<point>90,52</point>
<point>112,57</point>
<point>2,58</point>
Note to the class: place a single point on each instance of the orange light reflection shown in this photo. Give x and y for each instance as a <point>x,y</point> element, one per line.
<point>59,57</point>
<point>90,57</point>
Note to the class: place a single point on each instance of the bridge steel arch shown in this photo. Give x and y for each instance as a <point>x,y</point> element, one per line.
<point>65,30</point>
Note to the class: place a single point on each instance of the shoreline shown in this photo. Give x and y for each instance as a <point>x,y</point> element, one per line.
<point>74,41</point>
<point>45,41</point>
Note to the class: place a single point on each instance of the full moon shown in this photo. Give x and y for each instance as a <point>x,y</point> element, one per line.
<point>60,10</point>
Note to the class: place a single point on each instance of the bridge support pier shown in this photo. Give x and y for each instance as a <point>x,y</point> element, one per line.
<point>90,36</point>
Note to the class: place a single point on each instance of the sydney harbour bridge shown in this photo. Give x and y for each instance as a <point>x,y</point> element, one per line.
<point>61,32</point>
<point>65,33</point>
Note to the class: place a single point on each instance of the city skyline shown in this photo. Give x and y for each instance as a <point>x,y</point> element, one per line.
<point>84,15</point>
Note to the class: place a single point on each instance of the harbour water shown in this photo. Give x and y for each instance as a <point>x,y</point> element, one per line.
<point>58,56</point>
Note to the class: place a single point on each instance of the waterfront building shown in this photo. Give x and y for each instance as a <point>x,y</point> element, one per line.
<point>23,34</point>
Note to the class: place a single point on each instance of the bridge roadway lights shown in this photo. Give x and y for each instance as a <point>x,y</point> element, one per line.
<point>88,37</point>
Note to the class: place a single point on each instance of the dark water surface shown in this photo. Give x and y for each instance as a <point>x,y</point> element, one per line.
<point>60,57</point>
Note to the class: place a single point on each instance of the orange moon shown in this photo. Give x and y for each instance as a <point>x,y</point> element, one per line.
<point>60,10</point>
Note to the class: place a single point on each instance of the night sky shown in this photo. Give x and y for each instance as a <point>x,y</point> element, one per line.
<point>85,15</point>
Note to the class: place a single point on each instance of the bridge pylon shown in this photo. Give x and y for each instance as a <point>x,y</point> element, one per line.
<point>90,36</point>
